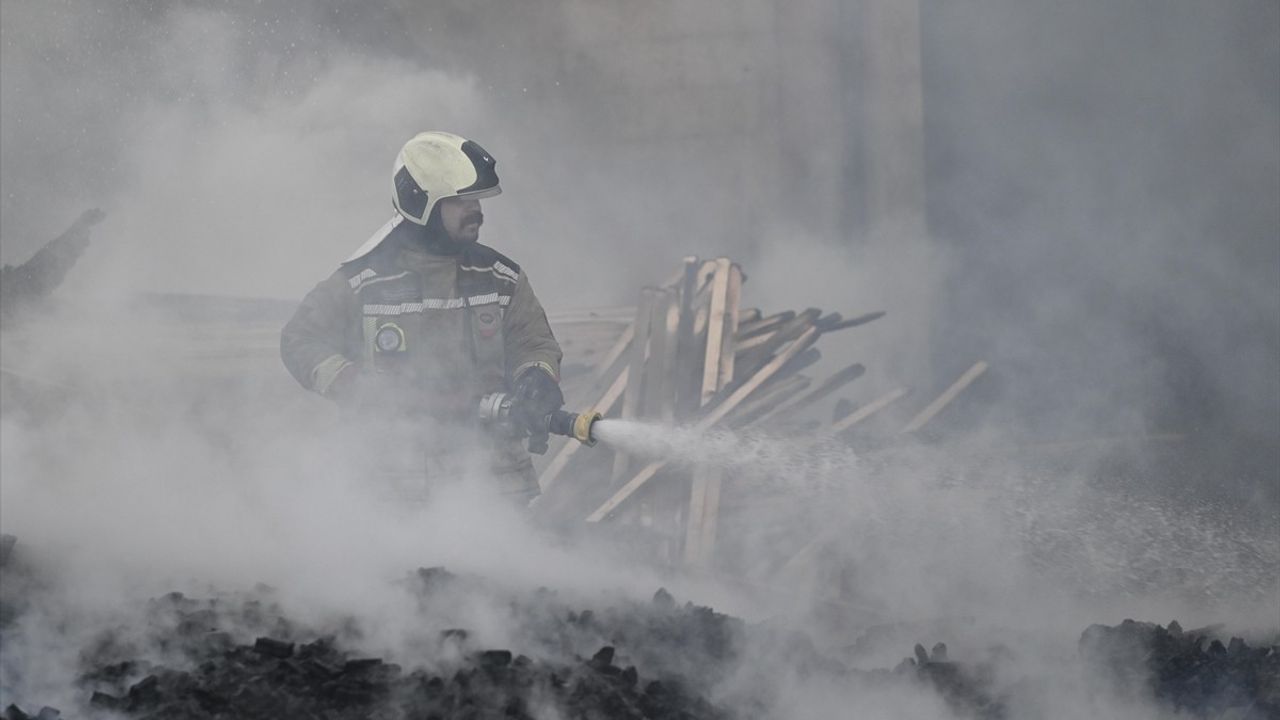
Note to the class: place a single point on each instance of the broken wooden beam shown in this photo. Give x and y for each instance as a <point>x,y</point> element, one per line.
<point>866,411</point>
<point>824,390</point>
<point>935,407</point>
<point>704,493</point>
<point>767,400</point>
<point>751,328</point>
<point>759,356</point>
<point>853,322</point>
<point>743,345</point>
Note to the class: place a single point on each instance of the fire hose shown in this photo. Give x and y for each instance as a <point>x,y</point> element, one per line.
<point>495,412</point>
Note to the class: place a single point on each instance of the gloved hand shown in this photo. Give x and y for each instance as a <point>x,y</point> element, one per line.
<point>345,386</point>
<point>535,395</point>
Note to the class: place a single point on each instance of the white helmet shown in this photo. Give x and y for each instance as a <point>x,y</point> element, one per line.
<point>435,165</point>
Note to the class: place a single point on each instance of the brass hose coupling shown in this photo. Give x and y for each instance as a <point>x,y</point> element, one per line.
<point>495,408</point>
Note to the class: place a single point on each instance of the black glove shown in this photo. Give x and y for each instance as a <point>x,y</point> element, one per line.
<point>345,387</point>
<point>535,395</point>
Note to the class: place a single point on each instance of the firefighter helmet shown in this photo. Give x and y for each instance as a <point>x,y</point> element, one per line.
<point>435,165</point>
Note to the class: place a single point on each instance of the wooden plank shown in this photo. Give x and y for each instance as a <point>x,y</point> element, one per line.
<point>715,330</point>
<point>801,362</point>
<point>706,272</point>
<point>715,415</point>
<point>946,397</point>
<point>624,341</point>
<point>866,411</point>
<point>682,374</point>
<point>854,321</point>
<point>749,314</point>
<point>632,398</point>
<point>667,409</point>
<point>773,322</point>
<point>704,498</point>
<point>699,554</point>
<point>602,406</point>
<point>767,401</point>
<point>767,371</point>
<point>759,356</point>
<point>802,557</point>
<point>662,336</point>
<point>698,491</point>
<point>728,353</point>
<point>633,395</point>
<point>769,410</point>
<point>824,390</point>
<point>668,499</point>
<point>703,477</point>
<point>742,346</point>
<point>828,320</point>
<point>619,347</point>
<point>626,491</point>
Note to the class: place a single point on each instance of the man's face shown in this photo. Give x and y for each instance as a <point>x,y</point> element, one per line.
<point>461,218</point>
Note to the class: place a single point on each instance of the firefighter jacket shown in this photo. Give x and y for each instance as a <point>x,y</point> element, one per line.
<point>431,334</point>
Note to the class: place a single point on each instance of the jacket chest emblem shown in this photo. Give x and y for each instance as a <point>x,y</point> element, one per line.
<point>487,322</point>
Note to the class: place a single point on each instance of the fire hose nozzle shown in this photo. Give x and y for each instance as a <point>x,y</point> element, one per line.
<point>496,408</point>
<point>574,425</point>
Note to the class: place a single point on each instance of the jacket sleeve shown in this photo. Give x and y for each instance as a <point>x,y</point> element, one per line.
<point>317,342</point>
<point>529,340</point>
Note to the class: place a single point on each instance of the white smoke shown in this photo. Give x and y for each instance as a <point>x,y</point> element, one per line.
<point>243,150</point>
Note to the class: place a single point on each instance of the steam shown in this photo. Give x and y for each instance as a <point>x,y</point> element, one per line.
<point>755,455</point>
<point>1104,235</point>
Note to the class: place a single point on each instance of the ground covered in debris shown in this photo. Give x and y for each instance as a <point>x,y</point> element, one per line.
<point>240,656</point>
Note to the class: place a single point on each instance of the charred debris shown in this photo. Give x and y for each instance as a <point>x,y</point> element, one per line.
<point>241,657</point>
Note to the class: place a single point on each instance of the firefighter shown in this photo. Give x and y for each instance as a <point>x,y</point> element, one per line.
<point>422,321</point>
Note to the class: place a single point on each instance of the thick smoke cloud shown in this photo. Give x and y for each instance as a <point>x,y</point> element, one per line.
<point>1101,192</point>
<point>232,136</point>
<point>1105,176</point>
<point>241,151</point>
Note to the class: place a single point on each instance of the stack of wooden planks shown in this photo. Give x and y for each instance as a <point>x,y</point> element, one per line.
<point>693,355</point>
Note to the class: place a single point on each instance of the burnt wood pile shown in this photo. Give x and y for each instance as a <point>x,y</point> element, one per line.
<point>695,355</point>
<point>240,657</point>
<point>1191,671</point>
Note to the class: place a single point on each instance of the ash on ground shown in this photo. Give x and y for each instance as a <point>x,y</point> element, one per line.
<point>241,656</point>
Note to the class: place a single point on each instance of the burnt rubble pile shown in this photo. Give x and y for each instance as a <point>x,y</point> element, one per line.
<point>277,679</point>
<point>295,673</point>
<point>1191,671</point>
<point>241,657</point>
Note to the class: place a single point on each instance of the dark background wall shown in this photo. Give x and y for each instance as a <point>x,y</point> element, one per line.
<point>1106,177</point>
